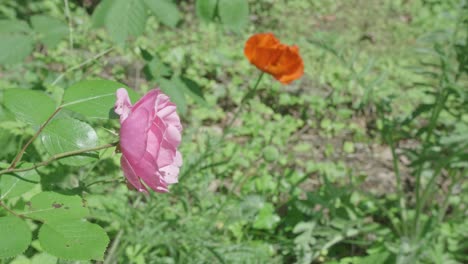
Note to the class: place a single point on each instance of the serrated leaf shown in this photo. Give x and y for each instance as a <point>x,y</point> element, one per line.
<point>50,206</point>
<point>51,30</point>
<point>175,91</point>
<point>165,11</point>
<point>13,185</point>
<point>94,99</point>
<point>206,9</point>
<point>32,107</point>
<point>126,18</point>
<point>100,13</point>
<point>74,240</point>
<point>67,134</point>
<point>234,14</point>
<point>15,236</point>
<point>17,42</point>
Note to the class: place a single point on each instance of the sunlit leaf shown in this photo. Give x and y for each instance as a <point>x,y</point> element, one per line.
<point>16,41</point>
<point>74,240</point>
<point>13,185</point>
<point>126,18</point>
<point>32,107</point>
<point>67,134</point>
<point>234,14</point>
<point>94,99</point>
<point>43,258</point>
<point>15,236</point>
<point>51,30</point>
<point>101,12</point>
<point>266,218</point>
<point>50,206</point>
<point>206,9</point>
<point>165,11</point>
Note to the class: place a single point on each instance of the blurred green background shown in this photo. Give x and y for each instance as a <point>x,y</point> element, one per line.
<point>307,174</point>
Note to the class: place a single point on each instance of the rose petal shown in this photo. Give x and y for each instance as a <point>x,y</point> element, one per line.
<point>123,105</point>
<point>149,137</point>
<point>131,176</point>
<point>133,135</point>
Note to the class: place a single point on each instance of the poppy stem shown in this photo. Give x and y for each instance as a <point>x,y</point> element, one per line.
<point>57,157</point>
<point>250,93</point>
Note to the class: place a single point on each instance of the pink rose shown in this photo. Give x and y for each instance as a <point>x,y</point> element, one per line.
<point>150,133</point>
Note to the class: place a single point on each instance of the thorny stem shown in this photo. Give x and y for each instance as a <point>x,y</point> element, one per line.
<point>20,154</point>
<point>57,157</point>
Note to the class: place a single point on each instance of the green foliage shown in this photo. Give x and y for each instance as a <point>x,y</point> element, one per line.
<point>18,39</point>
<point>74,240</point>
<point>17,42</point>
<point>63,232</point>
<point>15,236</point>
<point>51,30</point>
<point>165,11</point>
<point>206,9</point>
<point>362,160</point>
<point>24,104</point>
<point>124,19</point>
<point>232,14</point>
<point>52,207</point>
<point>94,99</point>
<point>13,185</point>
<point>67,134</point>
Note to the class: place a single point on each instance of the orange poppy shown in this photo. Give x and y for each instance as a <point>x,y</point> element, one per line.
<point>269,55</point>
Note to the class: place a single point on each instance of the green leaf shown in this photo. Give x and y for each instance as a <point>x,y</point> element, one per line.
<point>126,18</point>
<point>15,236</point>
<point>16,41</point>
<point>32,107</point>
<point>94,99</point>
<point>50,206</point>
<point>175,90</point>
<point>206,9</point>
<point>266,218</point>
<point>270,154</point>
<point>67,134</point>
<point>348,147</point>
<point>13,185</point>
<point>234,13</point>
<point>165,11</point>
<point>43,258</point>
<point>51,30</point>
<point>101,12</point>
<point>14,26</point>
<point>74,240</point>
<point>193,90</point>
<point>157,69</point>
